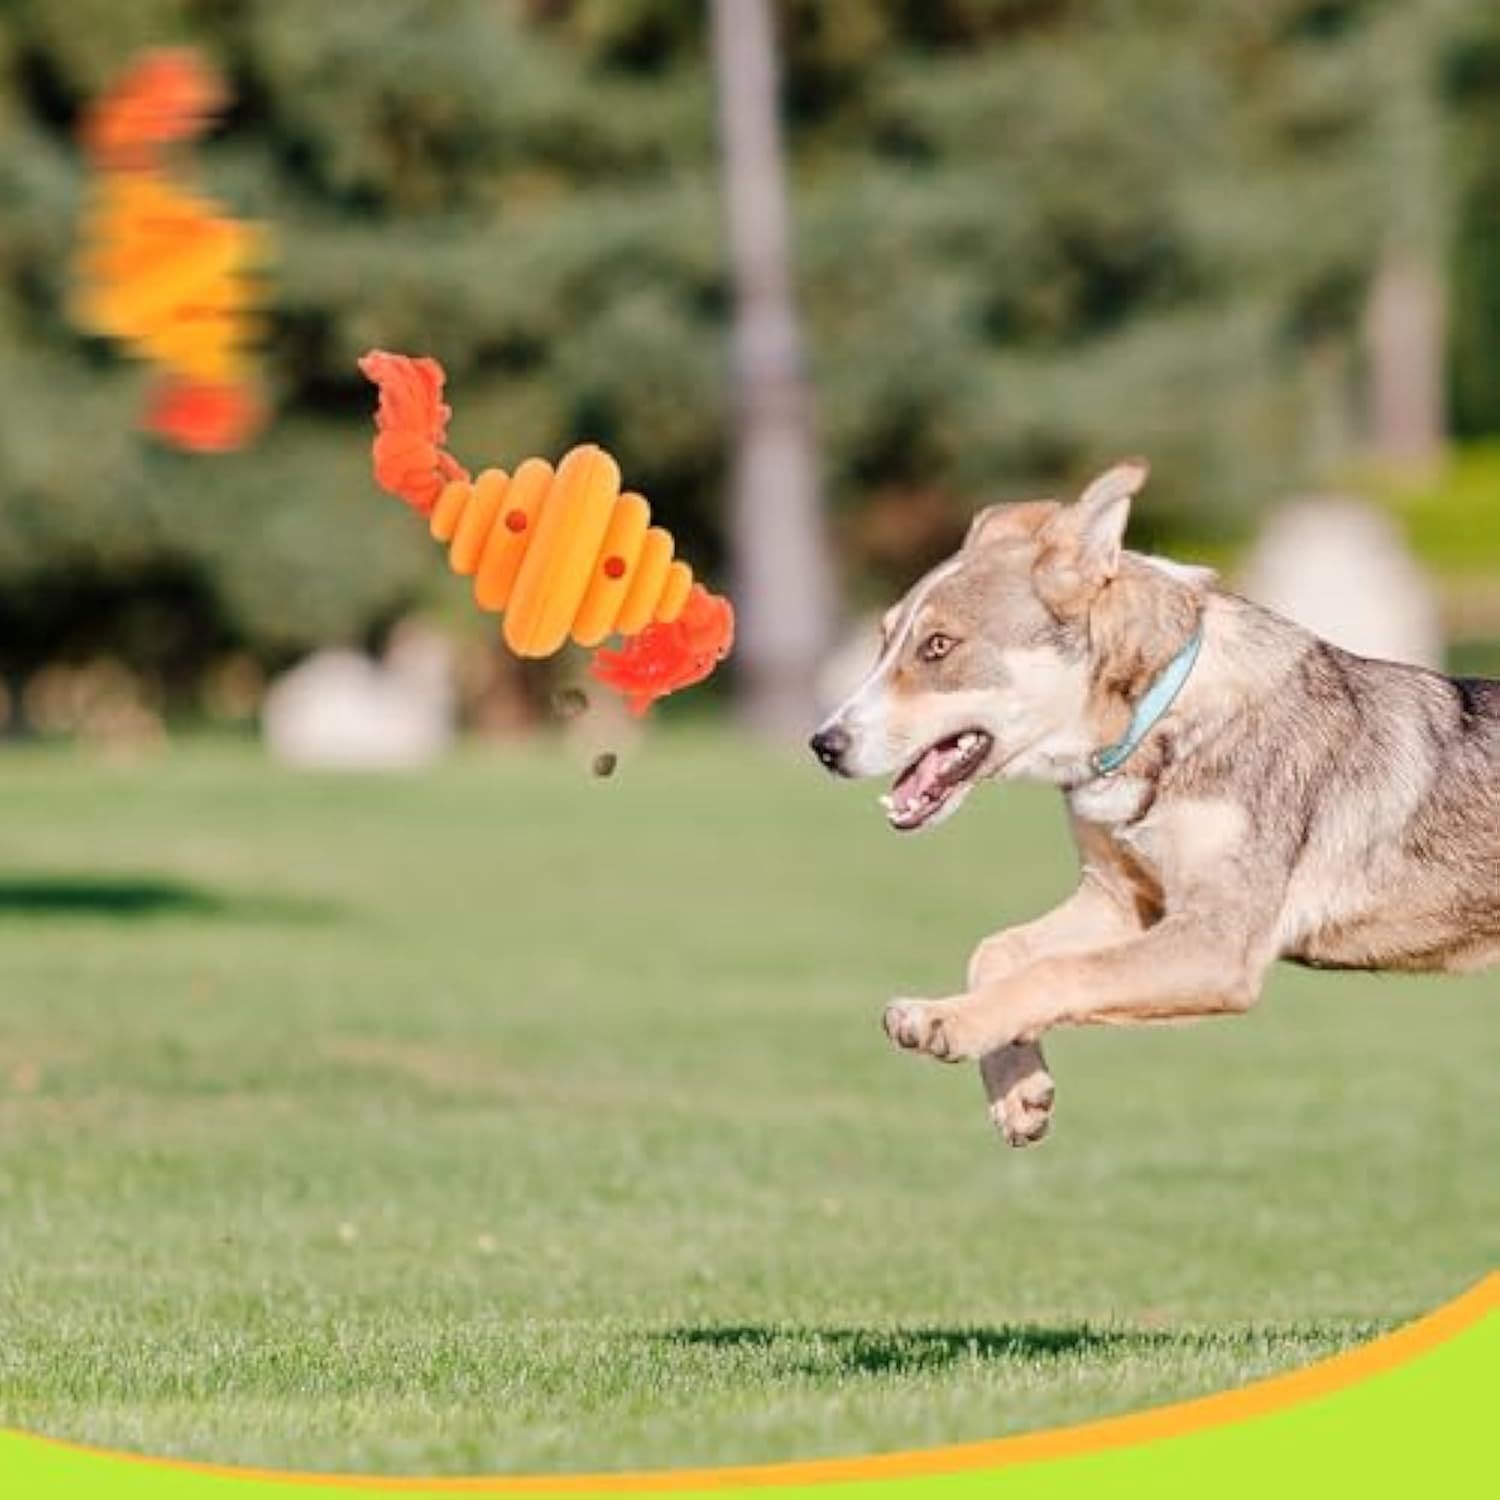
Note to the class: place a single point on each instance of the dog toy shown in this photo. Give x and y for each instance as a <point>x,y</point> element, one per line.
<point>562,552</point>
<point>164,270</point>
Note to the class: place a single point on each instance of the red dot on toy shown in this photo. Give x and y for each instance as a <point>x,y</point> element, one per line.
<point>515,520</point>
<point>614,567</point>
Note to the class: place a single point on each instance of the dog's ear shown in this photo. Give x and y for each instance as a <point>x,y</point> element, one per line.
<point>989,522</point>
<point>1010,521</point>
<point>1081,545</point>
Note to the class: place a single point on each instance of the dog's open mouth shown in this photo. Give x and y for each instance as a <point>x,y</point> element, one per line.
<point>936,780</point>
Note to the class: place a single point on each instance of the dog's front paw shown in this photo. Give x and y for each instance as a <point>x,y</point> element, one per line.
<point>1023,1113</point>
<point>936,1027</point>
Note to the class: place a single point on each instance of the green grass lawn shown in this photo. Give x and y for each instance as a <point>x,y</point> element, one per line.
<point>506,1119</point>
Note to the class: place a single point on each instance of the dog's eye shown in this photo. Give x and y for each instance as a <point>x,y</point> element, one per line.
<point>936,646</point>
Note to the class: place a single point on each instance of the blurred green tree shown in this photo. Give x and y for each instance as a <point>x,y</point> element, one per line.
<point>1030,234</point>
<point>1472,74</point>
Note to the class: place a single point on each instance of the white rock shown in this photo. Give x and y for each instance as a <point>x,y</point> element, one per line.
<point>1342,569</point>
<point>340,710</point>
<point>847,665</point>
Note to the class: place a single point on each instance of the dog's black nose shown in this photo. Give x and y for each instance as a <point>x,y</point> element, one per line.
<point>830,746</point>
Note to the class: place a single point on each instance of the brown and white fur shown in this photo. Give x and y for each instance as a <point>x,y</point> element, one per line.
<point>1296,801</point>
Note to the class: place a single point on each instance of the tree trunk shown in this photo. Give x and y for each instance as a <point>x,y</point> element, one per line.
<point>781,578</point>
<point>1405,329</point>
<point>1404,336</point>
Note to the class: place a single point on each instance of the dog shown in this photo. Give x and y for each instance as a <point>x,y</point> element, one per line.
<point>1238,790</point>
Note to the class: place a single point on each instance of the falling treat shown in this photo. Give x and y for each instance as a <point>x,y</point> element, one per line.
<point>570,702</point>
<point>605,763</point>
<point>562,552</point>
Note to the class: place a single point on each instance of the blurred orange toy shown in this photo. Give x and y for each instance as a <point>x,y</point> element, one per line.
<point>161,268</point>
<point>561,551</point>
<point>168,95</point>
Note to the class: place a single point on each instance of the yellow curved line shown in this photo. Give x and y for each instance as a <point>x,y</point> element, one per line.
<point>1261,1398</point>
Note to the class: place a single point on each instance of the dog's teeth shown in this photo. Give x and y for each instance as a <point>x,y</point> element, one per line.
<point>887,801</point>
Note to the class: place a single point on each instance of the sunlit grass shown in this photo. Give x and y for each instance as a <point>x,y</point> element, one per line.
<point>509,1119</point>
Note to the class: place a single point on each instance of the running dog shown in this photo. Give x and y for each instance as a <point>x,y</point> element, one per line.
<point>1239,791</point>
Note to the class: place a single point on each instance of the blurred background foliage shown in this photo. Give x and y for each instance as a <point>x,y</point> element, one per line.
<point>1031,235</point>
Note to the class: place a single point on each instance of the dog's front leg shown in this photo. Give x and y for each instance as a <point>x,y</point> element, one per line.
<point>1018,1085</point>
<point>1019,1092</point>
<point>1180,968</point>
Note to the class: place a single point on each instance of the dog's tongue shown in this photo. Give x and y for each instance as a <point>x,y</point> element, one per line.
<point>928,772</point>
<point>922,781</point>
<point>927,786</point>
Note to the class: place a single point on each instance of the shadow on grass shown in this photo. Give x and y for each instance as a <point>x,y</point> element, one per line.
<point>131,897</point>
<point>915,1351</point>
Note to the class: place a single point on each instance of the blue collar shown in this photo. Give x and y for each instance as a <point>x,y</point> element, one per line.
<point>1158,698</point>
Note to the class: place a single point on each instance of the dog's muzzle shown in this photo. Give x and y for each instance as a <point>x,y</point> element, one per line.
<point>831,744</point>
